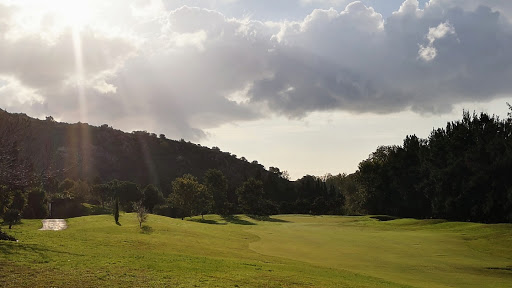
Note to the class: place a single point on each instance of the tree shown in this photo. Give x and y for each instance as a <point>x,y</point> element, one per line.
<point>250,196</point>
<point>66,188</point>
<point>116,210</point>
<point>12,216</point>
<point>102,194</point>
<point>5,199</point>
<point>19,200</point>
<point>15,173</point>
<point>82,191</point>
<point>217,186</point>
<point>460,172</point>
<point>36,207</point>
<point>184,196</point>
<point>126,192</point>
<point>319,206</point>
<point>152,197</point>
<point>50,185</point>
<point>204,201</point>
<point>142,214</point>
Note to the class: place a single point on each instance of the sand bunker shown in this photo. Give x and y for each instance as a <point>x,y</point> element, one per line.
<point>54,224</point>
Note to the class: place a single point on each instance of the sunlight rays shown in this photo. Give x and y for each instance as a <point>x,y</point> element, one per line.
<point>80,78</point>
<point>79,73</point>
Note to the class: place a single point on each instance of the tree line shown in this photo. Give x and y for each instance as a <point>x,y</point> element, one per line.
<point>460,172</point>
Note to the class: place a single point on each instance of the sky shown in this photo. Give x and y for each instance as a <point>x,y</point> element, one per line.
<point>308,86</point>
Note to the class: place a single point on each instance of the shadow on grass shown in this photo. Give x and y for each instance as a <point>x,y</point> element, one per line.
<point>118,224</point>
<point>234,219</point>
<point>384,217</point>
<point>207,221</point>
<point>6,237</point>
<point>145,229</point>
<point>508,268</point>
<point>267,219</point>
<point>9,247</point>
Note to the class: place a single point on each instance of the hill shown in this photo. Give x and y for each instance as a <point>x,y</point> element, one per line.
<point>100,154</point>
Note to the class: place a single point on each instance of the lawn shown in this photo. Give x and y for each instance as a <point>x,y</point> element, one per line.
<point>238,251</point>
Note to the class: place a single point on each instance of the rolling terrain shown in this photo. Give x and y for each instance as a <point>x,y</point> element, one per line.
<point>239,251</point>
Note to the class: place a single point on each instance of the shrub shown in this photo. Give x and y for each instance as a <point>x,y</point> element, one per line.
<point>12,216</point>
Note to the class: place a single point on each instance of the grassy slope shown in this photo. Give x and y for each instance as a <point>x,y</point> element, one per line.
<point>421,253</point>
<point>304,251</point>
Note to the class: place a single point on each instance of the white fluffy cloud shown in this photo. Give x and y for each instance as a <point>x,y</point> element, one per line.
<point>176,71</point>
<point>429,52</point>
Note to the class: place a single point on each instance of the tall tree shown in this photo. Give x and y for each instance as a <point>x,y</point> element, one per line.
<point>116,210</point>
<point>184,195</point>
<point>217,186</point>
<point>152,197</point>
<point>204,201</point>
<point>250,196</point>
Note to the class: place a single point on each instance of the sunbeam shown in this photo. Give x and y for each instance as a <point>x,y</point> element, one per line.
<point>79,73</point>
<point>82,101</point>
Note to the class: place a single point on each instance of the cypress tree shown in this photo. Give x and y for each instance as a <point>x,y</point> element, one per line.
<point>116,210</point>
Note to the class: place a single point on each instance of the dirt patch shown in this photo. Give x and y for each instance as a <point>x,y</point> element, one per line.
<point>54,224</point>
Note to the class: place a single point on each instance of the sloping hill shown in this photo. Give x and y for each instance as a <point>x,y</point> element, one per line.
<point>82,151</point>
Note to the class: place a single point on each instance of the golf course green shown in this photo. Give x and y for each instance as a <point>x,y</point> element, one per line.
<point>240,251</point>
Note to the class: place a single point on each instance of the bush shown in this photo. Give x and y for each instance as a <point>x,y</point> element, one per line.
<point>11,217</point>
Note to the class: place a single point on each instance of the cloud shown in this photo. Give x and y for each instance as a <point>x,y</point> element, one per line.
<point>429,52</point>
<point>183,71</point>
<point>502,7</point>
<point>354,60</point>
<point>329,2</point>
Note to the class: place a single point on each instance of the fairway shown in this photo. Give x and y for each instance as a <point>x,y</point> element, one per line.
<point>239,251</point>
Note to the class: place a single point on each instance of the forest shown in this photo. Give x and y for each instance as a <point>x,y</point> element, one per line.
<point>461,172</point>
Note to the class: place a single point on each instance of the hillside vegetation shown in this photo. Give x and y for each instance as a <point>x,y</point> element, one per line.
<point>100,154</point>
<point>238,251</point>
<point>460,173</point>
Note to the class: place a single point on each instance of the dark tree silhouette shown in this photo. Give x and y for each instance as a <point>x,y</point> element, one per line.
<point>11,217</point>
<point>217,186</point>
<point>152,197</point>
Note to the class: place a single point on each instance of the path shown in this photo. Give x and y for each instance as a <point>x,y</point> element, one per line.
<point>54,224</point>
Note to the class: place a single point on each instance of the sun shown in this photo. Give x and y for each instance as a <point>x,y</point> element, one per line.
<point>76,14</point>
<point>68,13</point>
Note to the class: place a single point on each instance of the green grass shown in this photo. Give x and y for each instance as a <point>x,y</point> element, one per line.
<point>238,251</point>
